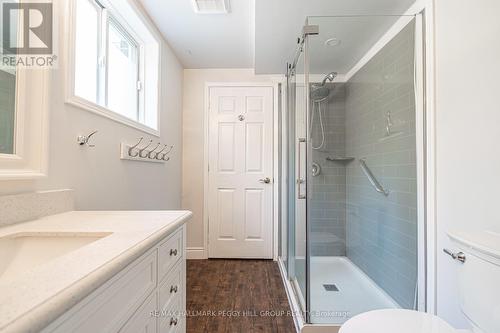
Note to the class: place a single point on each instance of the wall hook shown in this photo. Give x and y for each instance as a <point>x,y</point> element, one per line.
<point>159,152</point>
<point>145,152</point>
<point>133,147</point>
<point>152,151</point>
<point>163,158</point>
<point>144,149</point>
<point>84,139</point>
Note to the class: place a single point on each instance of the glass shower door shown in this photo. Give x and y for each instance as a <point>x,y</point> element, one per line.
<point>296,171</point>
<point>362,190</point>
<point>354,167</point>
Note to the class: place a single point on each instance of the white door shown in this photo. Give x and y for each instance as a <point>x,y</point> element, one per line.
<point>241,172</point>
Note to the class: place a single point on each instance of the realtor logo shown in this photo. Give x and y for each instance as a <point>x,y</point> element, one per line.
<point>27,28</point>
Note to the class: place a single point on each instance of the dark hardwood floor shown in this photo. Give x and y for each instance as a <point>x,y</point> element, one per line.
<point>233,296</point>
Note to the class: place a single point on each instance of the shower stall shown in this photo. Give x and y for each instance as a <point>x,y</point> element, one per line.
<point>353,235</point>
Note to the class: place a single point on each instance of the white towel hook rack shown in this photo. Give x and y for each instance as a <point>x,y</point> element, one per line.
<point>145,154</point>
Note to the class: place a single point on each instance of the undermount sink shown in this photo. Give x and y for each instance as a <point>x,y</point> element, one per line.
<point>22,252</point>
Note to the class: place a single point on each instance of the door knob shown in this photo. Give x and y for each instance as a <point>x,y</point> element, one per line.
<point>265,180</point>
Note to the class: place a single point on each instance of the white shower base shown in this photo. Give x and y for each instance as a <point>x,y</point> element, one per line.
<point>357,292</point>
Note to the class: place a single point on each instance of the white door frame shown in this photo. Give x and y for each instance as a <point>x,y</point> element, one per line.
<point>206,128</point>
<point>426,148</point>
<point>431,249</point>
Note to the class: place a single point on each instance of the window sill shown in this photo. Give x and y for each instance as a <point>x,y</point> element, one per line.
<point>107,113</point>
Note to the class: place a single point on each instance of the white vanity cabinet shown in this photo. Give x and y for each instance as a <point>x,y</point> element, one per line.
<point>149,295</point>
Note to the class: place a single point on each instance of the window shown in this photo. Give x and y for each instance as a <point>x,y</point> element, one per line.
<point>112,65</point>
<point>123,72</point>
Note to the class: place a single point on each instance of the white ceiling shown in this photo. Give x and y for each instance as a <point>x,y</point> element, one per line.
<point>205,40</point>
<point>356,36</point>
<point>263,33</point>
<point>278,23</point>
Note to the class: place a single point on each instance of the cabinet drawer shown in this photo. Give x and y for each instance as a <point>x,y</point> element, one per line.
<point>143,321</point>
<point>169,253</point>
<point>171,287</point>
<point>172,319</point>
<point>110,306</point>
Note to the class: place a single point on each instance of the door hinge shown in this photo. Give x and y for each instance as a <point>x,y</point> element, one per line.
<point>139,85</point>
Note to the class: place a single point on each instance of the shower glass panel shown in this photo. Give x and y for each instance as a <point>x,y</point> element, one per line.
<point>361,167</point>
<point>296,173</point>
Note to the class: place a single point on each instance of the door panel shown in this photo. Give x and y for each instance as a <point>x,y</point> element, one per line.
<point>254,214</point>
<point>240,159</point>
<point>254,147</point>
<point>225,213</point>
<point>226,161</point>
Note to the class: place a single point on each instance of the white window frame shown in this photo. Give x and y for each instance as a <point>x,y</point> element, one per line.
<point>140,63</point>
<point>112,12</point>
<point>30,158</point>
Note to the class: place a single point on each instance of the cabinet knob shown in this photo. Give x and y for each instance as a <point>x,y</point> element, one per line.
<point>173,252</point>
<point>173,321</point>
<point>174,289</point>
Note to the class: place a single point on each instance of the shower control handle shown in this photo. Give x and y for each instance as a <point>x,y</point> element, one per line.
<point>460,256</point>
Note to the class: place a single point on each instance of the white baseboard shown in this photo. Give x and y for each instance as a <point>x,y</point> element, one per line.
<point>196,253</point>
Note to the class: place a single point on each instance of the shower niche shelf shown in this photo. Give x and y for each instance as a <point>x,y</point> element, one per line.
<point>340,159</point>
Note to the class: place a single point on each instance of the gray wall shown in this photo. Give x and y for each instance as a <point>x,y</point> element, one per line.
<point>382,231</point>
<point>100,179</point>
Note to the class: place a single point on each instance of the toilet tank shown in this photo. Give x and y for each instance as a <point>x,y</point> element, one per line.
<point>479,278</point>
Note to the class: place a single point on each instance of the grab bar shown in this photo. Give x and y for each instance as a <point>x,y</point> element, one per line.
<point>368,173</point>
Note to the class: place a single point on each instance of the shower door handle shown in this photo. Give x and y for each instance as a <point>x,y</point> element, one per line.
<point>300,180</point>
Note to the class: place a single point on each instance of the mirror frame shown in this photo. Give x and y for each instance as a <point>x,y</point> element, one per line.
<point>30,158</point>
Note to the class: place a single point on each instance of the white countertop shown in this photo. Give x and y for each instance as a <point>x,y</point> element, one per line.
<point>41,295</point>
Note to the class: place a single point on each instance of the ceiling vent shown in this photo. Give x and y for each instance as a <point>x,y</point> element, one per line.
<point>211,6</point>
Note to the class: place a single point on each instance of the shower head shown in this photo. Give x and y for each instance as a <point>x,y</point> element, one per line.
<point>330,77</point>
<point>319,92</point>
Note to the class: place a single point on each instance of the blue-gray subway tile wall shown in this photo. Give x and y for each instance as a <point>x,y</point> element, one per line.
<point>382,231</point>
<point>328,204</point>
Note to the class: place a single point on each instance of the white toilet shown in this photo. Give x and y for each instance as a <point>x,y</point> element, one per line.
<point>479,288</point>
